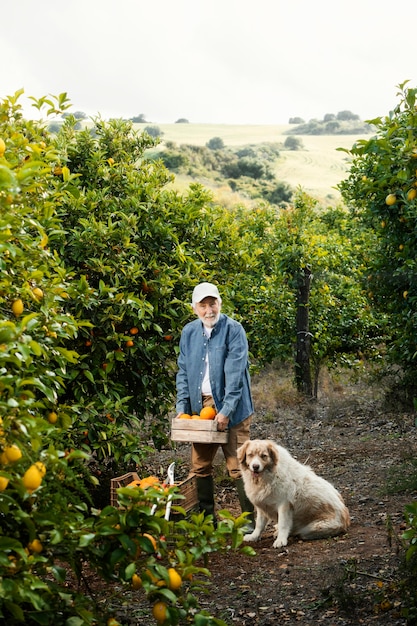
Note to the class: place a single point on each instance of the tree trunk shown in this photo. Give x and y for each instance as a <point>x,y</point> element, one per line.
<point>302,361</point>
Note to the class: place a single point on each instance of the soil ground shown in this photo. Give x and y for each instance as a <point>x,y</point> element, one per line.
<point>352,439</point>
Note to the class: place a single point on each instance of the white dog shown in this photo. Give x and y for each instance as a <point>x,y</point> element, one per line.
<point>290,494</point>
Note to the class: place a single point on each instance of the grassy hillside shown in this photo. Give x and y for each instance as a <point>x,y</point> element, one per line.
<point>317,168</point>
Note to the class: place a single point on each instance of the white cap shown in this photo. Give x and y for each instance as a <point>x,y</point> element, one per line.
<point>203,290</point>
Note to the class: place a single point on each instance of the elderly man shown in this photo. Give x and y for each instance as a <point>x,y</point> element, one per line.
<point>213,370</point>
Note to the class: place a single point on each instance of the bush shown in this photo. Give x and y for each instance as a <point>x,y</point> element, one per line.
<point>154,131</point>
<point>293,143</point>
<point>215,143</point>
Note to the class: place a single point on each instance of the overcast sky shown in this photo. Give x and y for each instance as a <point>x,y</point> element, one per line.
<point>211,61</point>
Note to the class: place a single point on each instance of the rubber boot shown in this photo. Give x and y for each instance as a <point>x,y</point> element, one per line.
<point>205,492</point>
<point>246,506</point>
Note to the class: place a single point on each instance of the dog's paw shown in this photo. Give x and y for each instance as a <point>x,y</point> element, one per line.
<point>279,543</point>
<point>251,537</point>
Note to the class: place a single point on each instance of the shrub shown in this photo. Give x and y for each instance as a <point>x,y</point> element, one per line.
<point>215,143</point>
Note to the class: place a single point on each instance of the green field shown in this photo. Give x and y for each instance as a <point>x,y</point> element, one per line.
<point>316,169</point>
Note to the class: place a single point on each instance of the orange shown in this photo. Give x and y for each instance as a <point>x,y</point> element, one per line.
<point>159,611</point>
<point>151,539</point>
<point>129,343</point>
<point>149,481</point>
<point>134,330</point>
<point>207,413</point>
<point>184,416</point>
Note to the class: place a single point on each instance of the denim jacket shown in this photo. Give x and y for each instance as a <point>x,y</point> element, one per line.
<point>229,369</point>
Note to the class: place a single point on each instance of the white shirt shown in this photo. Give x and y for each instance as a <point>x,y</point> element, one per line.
<point>205,385</point>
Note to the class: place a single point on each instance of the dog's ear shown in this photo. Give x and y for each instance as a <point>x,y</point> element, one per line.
<point>241,452</point>
<point>273,452</point>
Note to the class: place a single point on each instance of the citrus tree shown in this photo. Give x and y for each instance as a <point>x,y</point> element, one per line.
<point>273,250</point>
<point>381,191</point>
<point>49,529</point>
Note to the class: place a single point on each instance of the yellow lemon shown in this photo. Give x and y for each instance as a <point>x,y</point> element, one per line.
<point>411,194</point>
<point>2,147</point>
<point>391,199</point>
<point>136,581</point>
<point>32,478</point>
<point>35,546</point>
<point>12,453</point>
<point>159,611</point>
<point>3,483</point>
<point>41,467</point>
<point>52,417</point>
<point>17,307</point>
<point>38,293</point>
<point>175,580</point>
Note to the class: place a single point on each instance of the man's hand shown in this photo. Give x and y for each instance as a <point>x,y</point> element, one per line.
<point>222,421</point>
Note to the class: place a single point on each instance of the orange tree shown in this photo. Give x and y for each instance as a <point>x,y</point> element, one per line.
<point>48,528</point>
<point>268,262</point>
<point>381,191</point>
<point>125,241</point>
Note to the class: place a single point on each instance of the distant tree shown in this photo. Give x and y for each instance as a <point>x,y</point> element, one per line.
<point>347,115</point>
<point>246,152</point>
<point>79,115</point>
<point>296,120</point>
<point>215,143</point>
<point>154,131</point>
<point>139,119</point>
<point>173,160</point>
<point>332,127</point>
<point>54,127</point>
<point>281,193</point>
<point>182,120</point>
<point>293,143</point>
<point>329,117</point>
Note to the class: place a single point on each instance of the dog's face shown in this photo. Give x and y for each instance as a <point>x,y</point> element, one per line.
<point>258,456</point>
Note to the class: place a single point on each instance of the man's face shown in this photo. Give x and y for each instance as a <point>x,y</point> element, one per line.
<point>208,310</point>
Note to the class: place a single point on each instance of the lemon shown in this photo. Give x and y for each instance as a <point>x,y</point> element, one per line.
<point>159,611</point>
<point>175,580</point>
<point>136,581</point>
<point>35,546</point>
<point>52,417</point>
<point>38,293</point>
<point>17,307</point>
<point>391,199</point>
<point>3,483</point>
<point>41,467</point>
<point>411,194</point>
<point>32,478</point>
<point>12,453</point>
<point>2,147</point>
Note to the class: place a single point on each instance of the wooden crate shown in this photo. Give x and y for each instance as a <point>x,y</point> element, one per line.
<point>200,431</point>
<point>187,488</point>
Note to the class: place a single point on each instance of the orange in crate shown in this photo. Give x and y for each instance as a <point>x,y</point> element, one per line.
<point>188,488</point>
<point>207,413</point>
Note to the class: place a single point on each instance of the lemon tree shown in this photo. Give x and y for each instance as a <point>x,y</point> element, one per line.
<point>381,191</point>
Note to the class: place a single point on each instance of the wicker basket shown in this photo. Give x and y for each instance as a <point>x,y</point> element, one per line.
<point>187,488</point>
